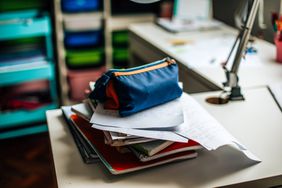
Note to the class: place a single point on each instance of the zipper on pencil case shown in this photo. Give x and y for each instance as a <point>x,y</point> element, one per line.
<point>145,68</point>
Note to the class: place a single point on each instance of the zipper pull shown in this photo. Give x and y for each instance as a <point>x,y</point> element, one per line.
<point>170,61</point>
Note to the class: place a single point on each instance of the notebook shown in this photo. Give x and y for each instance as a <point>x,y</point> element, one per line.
<point>86,151</point>
<point>172,149</point>
<point>116,162</point>
<point>151,148</point>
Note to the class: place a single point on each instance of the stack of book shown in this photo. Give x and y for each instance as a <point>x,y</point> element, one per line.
<point>120,152</point>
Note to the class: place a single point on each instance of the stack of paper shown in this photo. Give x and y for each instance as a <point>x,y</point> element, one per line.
<point>159,135</point>
<point>148,147</point>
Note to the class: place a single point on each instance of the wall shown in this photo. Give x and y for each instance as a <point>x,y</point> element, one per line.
<point>224,11</point>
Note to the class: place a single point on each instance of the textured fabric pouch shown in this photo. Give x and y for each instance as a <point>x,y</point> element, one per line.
<point>136,89</point>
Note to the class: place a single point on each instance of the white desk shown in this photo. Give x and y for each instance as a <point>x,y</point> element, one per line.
<point>256,122</point>
<point>149,42</point>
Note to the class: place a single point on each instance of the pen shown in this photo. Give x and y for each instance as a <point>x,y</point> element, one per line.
<point>274,18</point>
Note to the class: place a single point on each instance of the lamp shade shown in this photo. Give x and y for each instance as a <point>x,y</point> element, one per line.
<point>144,1</point>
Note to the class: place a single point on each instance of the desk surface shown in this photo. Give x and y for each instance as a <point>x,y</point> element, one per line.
<point>267,72</point>
<point>256,122</point>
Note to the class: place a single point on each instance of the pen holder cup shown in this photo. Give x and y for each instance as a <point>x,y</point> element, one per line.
<point>278,44</point>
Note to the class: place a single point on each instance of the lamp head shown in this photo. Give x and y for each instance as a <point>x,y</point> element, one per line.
<point>145,1</point>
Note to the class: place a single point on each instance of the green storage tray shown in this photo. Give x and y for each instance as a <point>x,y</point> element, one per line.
<point>120,54</point>
<point>88,57</point>
<point>22,41</point>
<point>11,5</point>
<point>120,38</point>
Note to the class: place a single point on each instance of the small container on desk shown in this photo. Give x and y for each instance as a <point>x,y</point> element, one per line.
<point>278,43</point>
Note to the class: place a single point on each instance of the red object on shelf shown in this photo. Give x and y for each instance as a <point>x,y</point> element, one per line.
<point>278,44</point>
<point>79,81</point>
<point>26,105</point>
<point>26,87</point>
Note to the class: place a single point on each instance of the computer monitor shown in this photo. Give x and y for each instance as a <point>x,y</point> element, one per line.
<point>193,9</point>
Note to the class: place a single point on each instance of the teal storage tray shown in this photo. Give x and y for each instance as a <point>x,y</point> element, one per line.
<point>26,72</point>
<point>23,24</point>
<point>24,131</point>
<point>21,117</point>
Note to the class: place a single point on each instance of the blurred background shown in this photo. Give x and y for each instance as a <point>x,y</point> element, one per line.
<point>51,50</point>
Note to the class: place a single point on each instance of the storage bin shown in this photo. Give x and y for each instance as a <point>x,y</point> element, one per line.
<point>120,38</point>
<point>83,22</point>
<point>12,5</point>
<point>83,39</point>
<point>83,58</point>
<point>79,81</point>
<point>32,24</point>
<point>80,5</point>
<point>120,54</point>
<point>25,96</point>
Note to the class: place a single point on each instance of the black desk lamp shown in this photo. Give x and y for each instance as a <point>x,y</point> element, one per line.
<point>232,90</point>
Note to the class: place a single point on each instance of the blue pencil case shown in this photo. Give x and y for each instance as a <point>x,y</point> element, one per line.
<point>132,90</point>
<point>80,5</point>
<point>81,39</point>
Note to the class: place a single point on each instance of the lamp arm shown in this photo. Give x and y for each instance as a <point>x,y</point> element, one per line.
<point>245,37</point>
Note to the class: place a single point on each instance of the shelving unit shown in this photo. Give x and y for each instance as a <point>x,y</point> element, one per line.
<point>111,22</point>
<point>17,25</point>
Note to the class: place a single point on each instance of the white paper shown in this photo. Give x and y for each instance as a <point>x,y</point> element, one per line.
<point>162,135</point>
<point>198,53</point>
<point>203,128</point>
<point>164,116</point>
<point>180,25</point>
<point>120,136</point>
